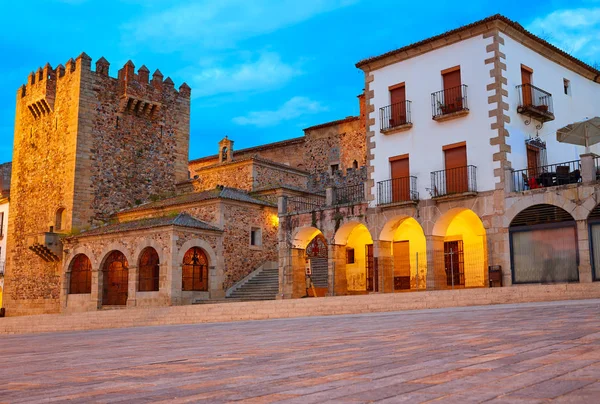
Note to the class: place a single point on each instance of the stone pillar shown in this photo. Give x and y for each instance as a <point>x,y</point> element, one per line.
<point>329,196</point>
<point>132,281</point>
<point>588,167</point>
<point>383,252</point>
<point>97,284</point>
<point>282,204</point>
<point>337,270</point>
<point>509,185</point>
<point>64,290</point>
<point>436,272</point>
<point>585,265</point>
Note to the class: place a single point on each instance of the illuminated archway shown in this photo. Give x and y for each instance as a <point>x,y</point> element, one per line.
<point>408,249</point>
<point>360,264</point>
<point>461,254</point>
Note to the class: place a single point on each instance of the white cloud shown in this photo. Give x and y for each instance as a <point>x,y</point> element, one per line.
<point>266,72</point>
<point>294,108</point>
<point>576,31</point>
<point>222,23</point>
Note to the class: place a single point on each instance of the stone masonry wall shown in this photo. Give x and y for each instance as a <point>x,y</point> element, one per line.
<point>266,176</point>
<point>235,175</point>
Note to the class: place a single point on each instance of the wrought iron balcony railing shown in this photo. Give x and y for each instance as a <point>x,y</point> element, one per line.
<point>395,115</point>
<point>305,203</point>
<point>449,101</point>
<point>397,190</point>
<point>349,194</point>
<point>535,103</point>
<point>550,175</point>
<point>454,181</point>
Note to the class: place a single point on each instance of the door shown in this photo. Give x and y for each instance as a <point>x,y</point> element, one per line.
<point>454,261</point>
<point>398,101</point>
<point>526,88</point>
<point>116,280</point>
<point>401,265</point>
<point>453,98</point>
<point>533,161</point>
<point>370,269</point>
<point>400,179</point>
<point>456,170</point>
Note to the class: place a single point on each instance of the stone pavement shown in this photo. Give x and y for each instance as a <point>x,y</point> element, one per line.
<point>527,353</point>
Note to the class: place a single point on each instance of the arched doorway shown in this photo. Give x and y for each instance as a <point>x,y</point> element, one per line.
<point>361,272</point>
<point>195,270</point>
<point>115,279</point>
<point>316,254</point>
<point>460,254</point>
<point>80,279</point>
<point>148,270</point>
<point>543,246</point>
<point>409,253</point>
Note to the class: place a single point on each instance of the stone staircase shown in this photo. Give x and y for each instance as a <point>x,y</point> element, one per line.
<point>262,284</point>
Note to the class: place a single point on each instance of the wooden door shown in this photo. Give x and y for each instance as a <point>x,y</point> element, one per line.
<point>401,265</point>
<point>400,179</point>
<point>453,98</point>
<point>116,280</point>
<point>526,88</point>
<point>456,170</point>
<point>398,110</point>
<point>454,263</point>
<point>370,269</point>
<point>533,161</point>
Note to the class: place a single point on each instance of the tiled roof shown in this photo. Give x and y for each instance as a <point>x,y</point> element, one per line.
<point>250,158</point>
<point>496,17</point>
<point>216,193</point>
<point>339,121</point>
<point>182,220</point>
<point>255,148</point>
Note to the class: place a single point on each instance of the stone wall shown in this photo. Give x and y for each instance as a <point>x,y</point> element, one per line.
<point>267,176</point>
<point>89,144</point>
<point>353,176</point>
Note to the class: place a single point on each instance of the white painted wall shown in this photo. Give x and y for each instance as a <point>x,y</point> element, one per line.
<point>581,103</point>
<point>424,142</point>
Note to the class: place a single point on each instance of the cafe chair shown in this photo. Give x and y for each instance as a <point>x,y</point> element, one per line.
<point>562,175</point>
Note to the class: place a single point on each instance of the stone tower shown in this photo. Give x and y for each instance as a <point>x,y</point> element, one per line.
<point>85,145</point>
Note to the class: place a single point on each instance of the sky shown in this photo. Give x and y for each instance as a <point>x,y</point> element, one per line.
<point>260,70</point>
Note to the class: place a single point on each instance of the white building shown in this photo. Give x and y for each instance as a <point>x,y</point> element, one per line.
<point>5,171</point>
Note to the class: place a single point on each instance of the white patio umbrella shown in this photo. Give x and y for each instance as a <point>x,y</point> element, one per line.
<point>585,133</point>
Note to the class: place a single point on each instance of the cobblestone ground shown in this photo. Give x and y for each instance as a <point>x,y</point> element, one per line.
<point>525,353</point>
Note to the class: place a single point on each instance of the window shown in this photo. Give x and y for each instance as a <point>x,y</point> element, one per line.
<point>194,270</point>
<point>148,270</point>
<point>224,154</point>
<point>334,168</point>
<point>256,237</point>
<point>81,275</point>
<point>355,164</point>
<point>1,224</point>
<point>349,255</point>
<point>60,219</point>
<point>567,86</point>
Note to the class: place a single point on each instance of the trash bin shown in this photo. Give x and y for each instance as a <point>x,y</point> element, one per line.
<point>495,275</point>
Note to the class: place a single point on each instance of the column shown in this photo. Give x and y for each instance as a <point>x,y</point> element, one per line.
<point>436,270</point>
<point>337,269</point>
<point>97,283</point>
<point>385,263</point>
<point>585,265</point>
<point>588,167</point>
<point>132,279</point>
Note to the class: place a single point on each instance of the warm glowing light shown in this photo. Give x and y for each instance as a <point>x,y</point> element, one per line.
<point>410,230</point>
<point>356,274</point>
<point>467,226</point>
<point>274,220</point>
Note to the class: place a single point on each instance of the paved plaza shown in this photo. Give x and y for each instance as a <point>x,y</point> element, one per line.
<point>526,353</point>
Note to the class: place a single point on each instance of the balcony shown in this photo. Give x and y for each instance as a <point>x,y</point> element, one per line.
<point>395,118</point>
<point>46,245</point>
<point>535,103</point>
<point>454,181</point>
<point>450,103</point>
<point>397,191</point>
<point>551,175</point>
<point>349,194</point>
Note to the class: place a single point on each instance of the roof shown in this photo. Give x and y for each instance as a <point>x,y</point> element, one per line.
<point>182,220</point>
<point>216,193</point>
<point>259,148</point>
<point>250,158</point>
<point>332,123</point>
<point>493,18</point>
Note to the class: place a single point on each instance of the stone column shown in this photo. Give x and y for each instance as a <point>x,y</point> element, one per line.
<point>583,239</point>
<point>436,271</point>
<point>281,204</point>
<point>132,281</point>
<point>383,252</point>
<point>97,284</point>
<point>337,269</point>
<point>588,167</point>
<point>329,196</point>
<point>64,290</point>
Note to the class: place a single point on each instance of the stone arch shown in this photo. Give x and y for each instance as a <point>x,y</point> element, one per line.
<point>460,250</point>
<point>80,274</point>
<point>60,219</point>
<point>148,270</point>
<point>550,198</point>
<point>151,243</point>
<point>115,278</point>
<point>118,247</point>
<point>342,234</point>
<point>197,242</point>
<point>303,236</point>
<point>360,273</point>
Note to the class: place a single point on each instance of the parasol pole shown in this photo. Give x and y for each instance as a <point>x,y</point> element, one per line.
<point>587,141</point>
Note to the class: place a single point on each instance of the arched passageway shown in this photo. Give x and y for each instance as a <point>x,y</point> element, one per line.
<point>460,254</point>
<point>360,271</point>
<point>543,246</point>
<point>80,275</point>
<point>115,282</point>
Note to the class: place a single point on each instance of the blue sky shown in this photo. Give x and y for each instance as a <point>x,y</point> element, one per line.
<point>260,70</point>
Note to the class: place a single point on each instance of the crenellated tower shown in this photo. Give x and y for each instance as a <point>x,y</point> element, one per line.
<point>86,145</point>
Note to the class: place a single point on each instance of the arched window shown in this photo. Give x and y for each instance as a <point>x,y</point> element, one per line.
<point>355,164</point>
<point>224,154</point>
<point>81,275</point>
<point>195,270</point>
<point>59,220</point>
<point>115,282</point>
<point>148,268</point>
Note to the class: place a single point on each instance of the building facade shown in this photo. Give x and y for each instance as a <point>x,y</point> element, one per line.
<point>5,170</point>
<point>465,175</point>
